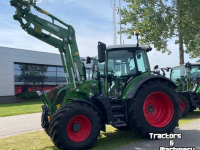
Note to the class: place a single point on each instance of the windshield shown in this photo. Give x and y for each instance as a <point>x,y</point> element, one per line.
<point>123,62</point>
<point>124,65</point>
<point>194,75</point>
<point>178,73</point>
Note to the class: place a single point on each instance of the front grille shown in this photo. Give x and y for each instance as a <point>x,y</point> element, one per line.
<point>61,97</point>
<point>52,93</point>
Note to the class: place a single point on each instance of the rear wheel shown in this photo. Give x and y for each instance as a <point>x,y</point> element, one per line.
<point>76,126</point>
<point>185,106</point>
<point>191,109</point>
<point>154,109</point>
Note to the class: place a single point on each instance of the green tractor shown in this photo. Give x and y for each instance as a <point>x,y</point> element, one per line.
<point>187,79</point>
<point>121,89</point>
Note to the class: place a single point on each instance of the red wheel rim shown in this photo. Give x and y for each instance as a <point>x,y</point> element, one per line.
<point>83,131</point>
<point>182,106</point>
<point>158,109</point>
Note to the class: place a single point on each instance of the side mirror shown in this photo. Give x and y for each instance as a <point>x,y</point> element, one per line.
<point>189,66</point>
<point>167,69</point>
<point>138,56</point>
<point>101,52</point>
<point>88,60</point>
<point>156,67</point>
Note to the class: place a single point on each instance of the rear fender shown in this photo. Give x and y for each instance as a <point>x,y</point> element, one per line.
<point>134,88</point>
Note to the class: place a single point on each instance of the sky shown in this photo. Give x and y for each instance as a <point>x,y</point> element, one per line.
<point>92,20</point>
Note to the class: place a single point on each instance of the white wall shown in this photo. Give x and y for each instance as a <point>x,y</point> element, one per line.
<point>10,55</point>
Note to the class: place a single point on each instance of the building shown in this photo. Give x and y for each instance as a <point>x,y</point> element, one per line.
<point>22,70</point>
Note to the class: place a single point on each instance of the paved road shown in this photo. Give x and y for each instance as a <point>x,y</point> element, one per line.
<point>31,122</point>
<point>19,124</point>
<point>190,138</point>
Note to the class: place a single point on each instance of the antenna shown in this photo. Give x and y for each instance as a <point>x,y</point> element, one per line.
<point>137,33</point>
<point>114,8</point>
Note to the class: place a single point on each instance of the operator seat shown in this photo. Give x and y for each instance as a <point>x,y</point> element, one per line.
<point>132,71</point>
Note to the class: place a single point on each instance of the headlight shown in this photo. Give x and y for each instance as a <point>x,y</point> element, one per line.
<point>39,93</point>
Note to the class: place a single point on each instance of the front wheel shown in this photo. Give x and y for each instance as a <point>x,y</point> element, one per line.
<point>154,109</point>
<point>76,126</point>
<point>44,119</point>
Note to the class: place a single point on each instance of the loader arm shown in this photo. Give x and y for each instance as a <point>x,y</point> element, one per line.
<point>64,38</point>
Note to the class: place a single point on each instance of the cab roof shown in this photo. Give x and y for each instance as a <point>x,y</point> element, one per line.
<point>193,64</point>
<point>128,46</point>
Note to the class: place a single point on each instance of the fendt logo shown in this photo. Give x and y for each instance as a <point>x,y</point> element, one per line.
<point>171,138</point>
<point>54,27</point>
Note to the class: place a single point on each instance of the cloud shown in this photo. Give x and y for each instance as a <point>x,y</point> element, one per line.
<point>20,39</point>
<point>92,20</point>
<point>44,1</point>
<point>88,32</point>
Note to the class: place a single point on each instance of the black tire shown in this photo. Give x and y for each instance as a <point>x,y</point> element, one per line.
<point>44,120</point>
<point>138,115</point>
<point>191,110</point>
<point>46,130</point>
<point>61,126</point>
<point>124,128</point>
<point>185,105</point>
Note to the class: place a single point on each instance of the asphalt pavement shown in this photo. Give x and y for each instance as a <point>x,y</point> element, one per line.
<point>190,138</point>
<point>13,125</point>
<point>31,122</point>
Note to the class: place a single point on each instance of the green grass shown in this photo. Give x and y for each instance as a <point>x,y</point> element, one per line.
<point>38,140</point>
<point>20,108</point>
<point>110,140</point>
<point>192,116</point>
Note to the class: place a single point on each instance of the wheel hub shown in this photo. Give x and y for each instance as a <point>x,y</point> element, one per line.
<point>76,127</point>
<point>79,128</point>
<point>158,109</point>
<point>150,109</point>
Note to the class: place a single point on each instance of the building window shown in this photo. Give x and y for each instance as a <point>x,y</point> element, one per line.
<point>32,77</point>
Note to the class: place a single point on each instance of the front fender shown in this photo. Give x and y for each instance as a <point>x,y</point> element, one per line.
<point>137,84</point>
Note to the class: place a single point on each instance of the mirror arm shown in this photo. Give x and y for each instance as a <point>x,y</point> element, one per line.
<point>99,76</point>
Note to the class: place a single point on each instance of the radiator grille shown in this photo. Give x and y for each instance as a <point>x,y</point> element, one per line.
<point>52,93</point>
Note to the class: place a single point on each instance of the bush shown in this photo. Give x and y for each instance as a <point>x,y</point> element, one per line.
<point>28,95</point>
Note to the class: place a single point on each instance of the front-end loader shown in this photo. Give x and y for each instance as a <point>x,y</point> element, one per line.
<point>123,92</point>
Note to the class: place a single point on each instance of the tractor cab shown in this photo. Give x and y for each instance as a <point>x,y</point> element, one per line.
<point>178,75</point>
<point>122,64</point>
<point>187,77</point>
<point>194,76</point>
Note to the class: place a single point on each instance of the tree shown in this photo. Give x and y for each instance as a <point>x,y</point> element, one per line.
<point>161,20</point>
<point>32,75</point>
